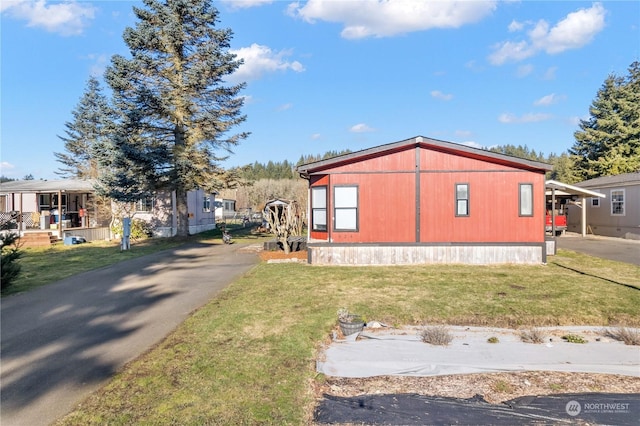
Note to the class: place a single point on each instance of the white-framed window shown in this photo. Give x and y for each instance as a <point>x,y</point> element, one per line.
<point>617,202</point>
<point>206,204</point>
<point>462,199</point>
<point>525,199</point>
<point>345,208</point>
<point>595,202</point>
<point>144,204</point>
<point>319,208</point>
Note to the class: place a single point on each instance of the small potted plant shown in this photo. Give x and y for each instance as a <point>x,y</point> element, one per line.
<point>350,323</point>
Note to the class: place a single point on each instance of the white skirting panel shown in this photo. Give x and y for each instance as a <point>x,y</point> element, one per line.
<point>423,254</point>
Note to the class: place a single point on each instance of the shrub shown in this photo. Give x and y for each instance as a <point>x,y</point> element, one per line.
<point>629,336</point>
<point>574,338</point>
<point>140,229</point>
<point>436,335</point>
<point>534,335</point>
<point>10,254</point>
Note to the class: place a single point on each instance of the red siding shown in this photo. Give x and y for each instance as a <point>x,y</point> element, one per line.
<point>386,207</point>
<point>493,208</point>
<point>387,199</point>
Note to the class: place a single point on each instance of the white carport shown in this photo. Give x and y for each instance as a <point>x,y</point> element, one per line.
<point>555,189</point>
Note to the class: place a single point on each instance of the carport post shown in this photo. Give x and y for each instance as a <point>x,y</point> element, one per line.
<point>553,212</point>
<point>583,202</point>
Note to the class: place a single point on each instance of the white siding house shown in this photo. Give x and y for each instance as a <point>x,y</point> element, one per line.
<point>617,215</point>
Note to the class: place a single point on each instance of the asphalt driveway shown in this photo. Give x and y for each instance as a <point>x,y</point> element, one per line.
<point>63,341</point>
<point>619,249</point>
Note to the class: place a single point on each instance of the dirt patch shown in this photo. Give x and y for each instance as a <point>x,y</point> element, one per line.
<point>494,387</point>
<point>281,255</point>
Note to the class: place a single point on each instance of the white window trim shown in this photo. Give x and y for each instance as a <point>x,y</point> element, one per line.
<point>530,201</point>
<point>624,199</point>
<point>597,202</point>
<point>341,212</point>
<point>467,212</point>
<point>316,211</point>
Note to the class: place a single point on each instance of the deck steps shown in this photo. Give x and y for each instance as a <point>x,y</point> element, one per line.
<point>38,239</point>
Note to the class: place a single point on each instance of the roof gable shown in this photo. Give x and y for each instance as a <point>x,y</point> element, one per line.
<point>419,141</point>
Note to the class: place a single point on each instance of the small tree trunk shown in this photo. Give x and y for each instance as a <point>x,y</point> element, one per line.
<point>182,212</point>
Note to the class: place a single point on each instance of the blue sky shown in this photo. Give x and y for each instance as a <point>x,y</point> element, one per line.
<point>342,74</point>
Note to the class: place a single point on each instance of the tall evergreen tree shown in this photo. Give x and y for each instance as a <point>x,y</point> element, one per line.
<point>87,128</point>
<point>174,109</point>
<point>608,142</point>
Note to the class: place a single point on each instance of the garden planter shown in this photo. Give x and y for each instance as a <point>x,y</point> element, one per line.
<point>351,325</point>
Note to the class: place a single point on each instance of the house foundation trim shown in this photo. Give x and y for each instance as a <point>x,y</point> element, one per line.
<point>426,253</point>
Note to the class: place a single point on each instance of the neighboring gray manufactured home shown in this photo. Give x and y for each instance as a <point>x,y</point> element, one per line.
<point>617,215</point>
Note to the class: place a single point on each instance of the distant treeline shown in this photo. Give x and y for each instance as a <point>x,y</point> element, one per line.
<point>282,169</point>
<point>287,170</point>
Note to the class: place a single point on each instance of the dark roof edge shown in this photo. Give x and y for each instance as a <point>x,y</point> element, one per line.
<point>420,141</point>
<point>611,180</point>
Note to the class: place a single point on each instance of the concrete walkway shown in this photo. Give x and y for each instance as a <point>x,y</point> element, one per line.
<point>65,340</point>
<point>619,249</point>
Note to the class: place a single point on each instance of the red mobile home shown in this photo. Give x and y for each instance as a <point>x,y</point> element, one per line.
<point>426,201</point>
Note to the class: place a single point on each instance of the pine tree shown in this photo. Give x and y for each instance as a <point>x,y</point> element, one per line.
<point>174,111</point>
<point>87,129</point>
<point>608,142</point>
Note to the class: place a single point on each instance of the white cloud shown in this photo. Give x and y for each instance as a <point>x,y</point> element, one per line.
<point>575,120</point>
<point>385,18</point>
<point>525,70</point>
<point>463,133</point>
<point>316,136</point>
<point>245,4</point>
<point>550,74</point>
<point>285,107</point>
<point>472,144</point>
<point>573,32</point>
<point>259,60</point>
<point>442,96</point>
<point>100,62</point>
<point>576,30</point>
<point>247,99</point>
<point>68,18</point>
<point>549,100</point>
<point>515,26</point>
<point>509,118</point>
<point>6,168</point>
<point>361,128</point>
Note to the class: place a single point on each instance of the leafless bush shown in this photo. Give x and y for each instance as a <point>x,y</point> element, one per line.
<point>533,335</point>
<point>436,335</point>
<point>630,336</point>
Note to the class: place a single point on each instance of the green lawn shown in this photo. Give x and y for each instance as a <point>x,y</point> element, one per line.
<point>248,357</point>
<point>41,266</point>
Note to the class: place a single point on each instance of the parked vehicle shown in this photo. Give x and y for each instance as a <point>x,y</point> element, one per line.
<point>560,221</point>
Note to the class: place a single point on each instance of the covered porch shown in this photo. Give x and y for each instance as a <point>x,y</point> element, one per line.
<point>53,208</point>
<point>559,193</point>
